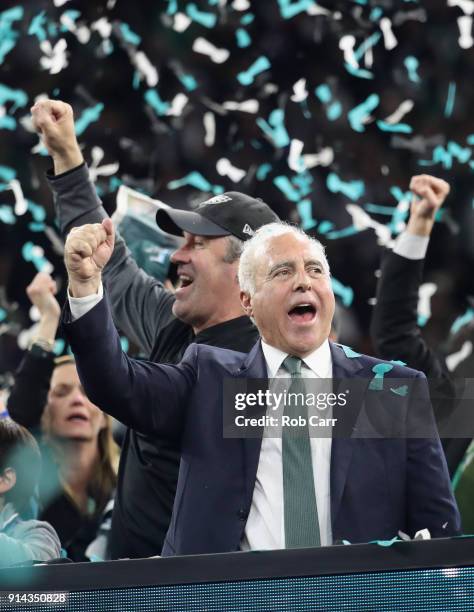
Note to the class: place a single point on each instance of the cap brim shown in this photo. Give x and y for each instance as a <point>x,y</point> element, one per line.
<point>176,222</point>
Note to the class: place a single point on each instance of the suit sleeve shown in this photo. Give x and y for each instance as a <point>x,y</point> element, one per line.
<point>395,332</point>
<point>147,397</point>
<point>141,306</point>
<point>430,497</point>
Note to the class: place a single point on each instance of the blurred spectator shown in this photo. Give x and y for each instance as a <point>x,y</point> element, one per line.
<point>21,540</point>
<point>79,476</point>
<point>395,332</point>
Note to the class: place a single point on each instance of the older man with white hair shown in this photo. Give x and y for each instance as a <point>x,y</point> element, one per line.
<point>255,492</point>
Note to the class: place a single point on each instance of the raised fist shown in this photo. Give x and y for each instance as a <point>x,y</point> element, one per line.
<point>431,192</point>
<point>87,250</point>
<point>54,121</point>
<point>41,292</point>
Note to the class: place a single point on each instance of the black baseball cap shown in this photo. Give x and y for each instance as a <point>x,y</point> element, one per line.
<point>232,213</point>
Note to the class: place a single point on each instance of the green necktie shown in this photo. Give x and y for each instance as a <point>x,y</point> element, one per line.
<point>299,497</point>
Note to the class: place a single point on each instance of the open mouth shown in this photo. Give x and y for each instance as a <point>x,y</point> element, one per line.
<point>303,313</point>
<point>185,281</point>
<point>78,418</point>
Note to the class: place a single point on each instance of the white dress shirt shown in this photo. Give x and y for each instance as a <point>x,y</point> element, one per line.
<point>411,246</point>
<point>265,527</point>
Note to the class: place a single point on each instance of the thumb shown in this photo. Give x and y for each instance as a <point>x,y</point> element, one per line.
<point>109,228</point>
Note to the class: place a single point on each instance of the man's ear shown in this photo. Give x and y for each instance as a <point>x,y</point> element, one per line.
<point>246,301</point>
<point>7,480</point>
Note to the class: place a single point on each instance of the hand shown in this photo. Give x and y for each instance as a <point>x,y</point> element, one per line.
<point>41,292</point>
<point>87,250</point>
<point>54,120</point>
<point>431,192</point>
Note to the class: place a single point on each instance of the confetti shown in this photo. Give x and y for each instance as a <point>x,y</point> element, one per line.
<point>248,76</point>
<point>380,369</point>
<point>218,56</point>
<point>425,293</point>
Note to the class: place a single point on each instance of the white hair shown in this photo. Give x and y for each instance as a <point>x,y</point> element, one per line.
<point>255,247</point>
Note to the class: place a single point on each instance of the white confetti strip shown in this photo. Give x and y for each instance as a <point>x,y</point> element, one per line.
<point>225,168</point>
<point>21,205</point>
<point>181,22</point>
<point>465,39</point>
<point>60,2</point>
<point>240,5</point>
<point>218,56</point>
<point>81,32</point>
<point>362,221</point>
<point>389,39</point>
<point>247,106</point>
<point>54,59</point>
<point>466,6</point>
<point>209,121</point>
<point>346,44</point>
<point>425,292</point>
<point>405,107</point>
<point>324,158</point>
<point>177,105</point>
<point>300,93</point>
<point>146,68</point>
<point>454,359</point>
<point>103,27</point>
<point>295,161</point>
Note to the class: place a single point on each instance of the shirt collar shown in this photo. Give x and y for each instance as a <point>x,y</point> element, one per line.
<point>319,361</point>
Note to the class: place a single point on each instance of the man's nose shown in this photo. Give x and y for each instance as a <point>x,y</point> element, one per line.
<point>181,255</point>
<point>302,281</point>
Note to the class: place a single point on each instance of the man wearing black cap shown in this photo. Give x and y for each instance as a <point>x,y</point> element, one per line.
<point>205,309</point>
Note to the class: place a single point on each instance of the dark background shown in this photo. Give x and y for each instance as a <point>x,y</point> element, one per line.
<point>153,148</point>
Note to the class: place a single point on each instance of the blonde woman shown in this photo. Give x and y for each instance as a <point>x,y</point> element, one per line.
<point>79,454</point>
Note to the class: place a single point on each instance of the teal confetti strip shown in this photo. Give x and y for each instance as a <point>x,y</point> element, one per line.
<point>7,174</point>
<point>402,391</point>
<point>243,38</point>
<point>124,343</point>
<point>403,128</point>
<point>53,29</point>
<point>153,99</point>
<point>289,10</point>
<point>196,179</point>
<point>188,81</point>
<point>342,233</point>
<point>247,19</point>
<point>411,64</point>
<point>31,252</point>
<point>37,26</point>
<point>352,189</point>
<point>325,227</point>
<point>7,215</point>
<point>397,362</point>
<point>89,115</point>
<point>445,156</point>
<point>36,227</point>
<point>59,345</point>
<point>208,20</point>
<point>7,123</point>
<point>361,73</point>
<point>37,211</point>
<point>448,109</point>
<point>379,210</point>
<point>422,320</point>
<point>17,96</point>
<point>262,171</point>
<point>305,213</point>
<point>8,36</point>
<point>275,128</point>
<point>376,14</point>
<point>386,543</point>
<point>247,77</point>
<point>303,182</point>
<point>470,139</point>
<point>462,320</point>
<point>172,7</point>
<point>360,112</point>
<point>129,35</point>
<point>346,294</point>
<point>136,80</point>
<point>3,314</point>
<point>334,109</point>
<point>350,353</point>
<point>284,185</point>
<point>376,384</point>
<point>367,44</point>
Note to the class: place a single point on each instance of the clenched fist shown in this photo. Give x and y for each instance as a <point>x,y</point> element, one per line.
<point>431,192</point>
<point>41,292</point>
<point>87,250</point>
<point>54,121</point>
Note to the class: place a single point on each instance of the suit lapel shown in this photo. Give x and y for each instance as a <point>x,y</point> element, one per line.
<point>343,444</point>
<point>253,367</point>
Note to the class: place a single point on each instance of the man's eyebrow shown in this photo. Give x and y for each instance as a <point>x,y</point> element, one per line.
<point>281,264</point>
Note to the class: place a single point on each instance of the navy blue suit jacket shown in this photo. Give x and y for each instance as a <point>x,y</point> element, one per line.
<point>378,486</point>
